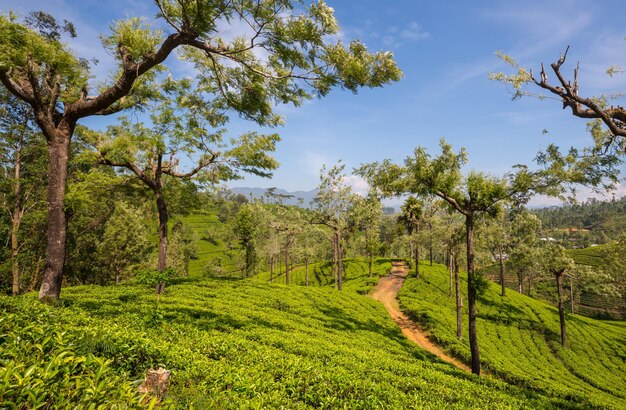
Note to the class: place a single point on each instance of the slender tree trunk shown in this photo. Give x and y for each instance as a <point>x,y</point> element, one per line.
<point>34,277</point>
<point>287,278</point>
<point>559,287</point>
<point>58,159</point>
<point>502,272</point>
<point>15,267</point>
<point>306,273</point>
<point>430,246</point>
<point>471,295</point>
<point>339,263</point>
<point>16,219</point>
<point>417,260</point>
<point>450,265</point>
<point>459,299</point>
<point>571,294</point>
<point>520,280</point>
<point>163,217</point>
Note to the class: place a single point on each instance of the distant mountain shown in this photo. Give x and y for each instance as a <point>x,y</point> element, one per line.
<point>277,195</point>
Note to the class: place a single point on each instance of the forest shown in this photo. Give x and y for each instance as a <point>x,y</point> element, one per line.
<point>131,276</point>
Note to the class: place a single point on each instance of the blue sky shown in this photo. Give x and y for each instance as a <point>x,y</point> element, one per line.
<point>446,50</point>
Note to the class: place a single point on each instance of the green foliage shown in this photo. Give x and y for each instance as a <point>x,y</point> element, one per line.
<point>241,344</point>
<point>152,277</point>
<point>24,49</point>
<point>53,358</point>
<point>520,341</point>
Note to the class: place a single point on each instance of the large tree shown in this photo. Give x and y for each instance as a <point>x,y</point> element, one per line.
<point>181,132</point>
<point>472,195</point>
<point>286,56</point>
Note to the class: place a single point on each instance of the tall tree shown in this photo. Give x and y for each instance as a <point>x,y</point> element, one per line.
<point>557,263</point>
<point>181,130</point>
<point>286,58</point>
<point>411,216</point>
<point>367,214</point>
<point>246,227</point>
<point>331,208</point>
<point>523,252</point>
<point>472,196</point>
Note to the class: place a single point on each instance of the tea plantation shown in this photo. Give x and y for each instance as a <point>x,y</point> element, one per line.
<point>519,341</point>
<point>247,344</point>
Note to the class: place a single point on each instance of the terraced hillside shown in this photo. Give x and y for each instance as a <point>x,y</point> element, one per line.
<point>519,340</point>
<point>229,344</point>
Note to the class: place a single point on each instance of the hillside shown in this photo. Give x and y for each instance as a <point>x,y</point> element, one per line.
<point>519,340</point>
<point>230,344</point>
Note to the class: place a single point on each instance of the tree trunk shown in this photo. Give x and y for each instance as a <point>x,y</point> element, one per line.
<point>459,299</point>
<point>471,295</point>
<point>417,260</point>
<point>287,278</point>
<point>163,217</point>
<point>571,294</point>
<point>58,158</point>
<point>430,246</point>
<point>559,287</point>
<point>502,271</point>
<point>306,273</point>
<point>339,263</point>
<point>520,280</point>
<point>370,265</point>
<point>450,265</point>
<point>16,219</point>
<point>15,267</point>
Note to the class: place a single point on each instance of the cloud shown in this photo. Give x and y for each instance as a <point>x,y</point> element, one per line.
<point>357,183</point>
<point>395,36</point>
<point>414,32</point>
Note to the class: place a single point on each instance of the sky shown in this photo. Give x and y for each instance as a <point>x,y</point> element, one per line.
<point>446,50</point>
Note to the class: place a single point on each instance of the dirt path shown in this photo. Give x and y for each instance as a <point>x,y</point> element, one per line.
<point>386,292</point>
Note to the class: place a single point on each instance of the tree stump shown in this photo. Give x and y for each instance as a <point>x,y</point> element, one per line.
<point>156,383</point>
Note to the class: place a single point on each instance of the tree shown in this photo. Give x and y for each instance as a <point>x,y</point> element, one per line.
<point>181,130</point>
<point>331,207</point>
<point>557,263</point>
<point>411,216</point>
<point>124,243</point>
<point>567,90</point>
<point>496,238</point>
<point>246,227</point>
<point>523,252</point>
<point>22,157</point>
<point>472,196</point>
<point>367,214</point>
<point>286,59</point>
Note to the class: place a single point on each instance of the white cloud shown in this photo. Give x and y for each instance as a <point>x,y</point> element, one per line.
<point>414,32</point>
<point>357,183</point>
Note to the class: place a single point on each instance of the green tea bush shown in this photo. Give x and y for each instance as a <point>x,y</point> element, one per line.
<point>520,341</point>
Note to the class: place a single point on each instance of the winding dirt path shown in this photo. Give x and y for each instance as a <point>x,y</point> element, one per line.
<point>386,292</point>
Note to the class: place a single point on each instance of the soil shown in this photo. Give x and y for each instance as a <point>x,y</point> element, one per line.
<point>386,292</point>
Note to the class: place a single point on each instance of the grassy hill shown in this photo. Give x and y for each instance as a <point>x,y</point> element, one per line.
<point>229,344</point>
<point>519,340</point>
<point>210,233</point>
<point>356,275</point>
